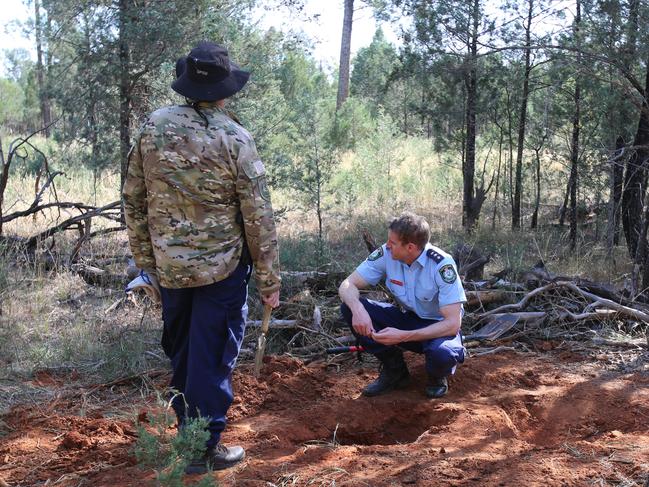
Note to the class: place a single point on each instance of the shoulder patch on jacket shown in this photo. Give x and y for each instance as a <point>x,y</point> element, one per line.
<point>376,255</point>
<point>436,256</point>
<point>448,274</point>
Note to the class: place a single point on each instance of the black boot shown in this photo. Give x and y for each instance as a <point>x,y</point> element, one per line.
<point>218,458</point>
<point>393,374</point>
<point>436,387</point>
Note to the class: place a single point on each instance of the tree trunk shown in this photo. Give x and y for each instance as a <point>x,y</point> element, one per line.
<point>617,165</point>
<point>635,177</point>
<point>510,160</point>
<point>566,199</point>
<point>500,159</point>
<point>124,89</point>
<point>537,203</point>
<point>470,213</point>
<point>516,211</point>
<point>574,174</point>
<point>616,178</point>
<point>345,50</point>
<point>46,116</point>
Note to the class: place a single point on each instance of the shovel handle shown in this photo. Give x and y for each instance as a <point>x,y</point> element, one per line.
<point>265,322</point>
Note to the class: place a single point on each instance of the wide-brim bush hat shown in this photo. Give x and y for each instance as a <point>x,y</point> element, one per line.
<point>208,74</point>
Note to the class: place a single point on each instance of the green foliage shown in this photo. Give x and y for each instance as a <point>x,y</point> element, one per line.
<point>12,100</point>
<point>354,122</point>
<point>372,69</point>
<point>170,454</point>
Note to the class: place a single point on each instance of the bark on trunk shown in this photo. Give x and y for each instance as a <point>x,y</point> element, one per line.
<point>516,213</point>
<point>616,178</point>
<point>574,160</point>
<point>470,212</point>
<point>124,90</point>
<point>500,158</point>
<point>345,50</point>
<point>537,203</point>
<point>635,178</point>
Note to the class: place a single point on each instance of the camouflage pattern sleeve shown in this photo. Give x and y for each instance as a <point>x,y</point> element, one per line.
<point>135,212</point>
<point>258,221</point>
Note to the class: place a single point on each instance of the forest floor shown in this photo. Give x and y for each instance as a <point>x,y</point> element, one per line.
<point>556,414</point>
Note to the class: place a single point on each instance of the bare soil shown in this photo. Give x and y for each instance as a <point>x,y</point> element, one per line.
<point>544,417</point>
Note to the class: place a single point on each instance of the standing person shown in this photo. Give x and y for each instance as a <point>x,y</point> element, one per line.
<point>424,282</point>
<point>199,215</point>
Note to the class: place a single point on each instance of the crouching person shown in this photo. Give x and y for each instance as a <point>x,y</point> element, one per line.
<point>425,284</point>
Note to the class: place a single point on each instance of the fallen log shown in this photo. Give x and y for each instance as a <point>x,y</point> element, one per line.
<point>98,277</point>
<point>480,298</point>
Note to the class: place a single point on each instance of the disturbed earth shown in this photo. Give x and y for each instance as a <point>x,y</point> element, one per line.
<point>553,415</point>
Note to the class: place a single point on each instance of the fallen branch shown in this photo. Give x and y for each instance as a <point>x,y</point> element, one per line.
<point>32,241</point>
<point>275,323</point>
<point>625,310</point>
<point>523,302</point>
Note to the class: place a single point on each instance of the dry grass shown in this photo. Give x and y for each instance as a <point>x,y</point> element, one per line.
<point>51,318</point>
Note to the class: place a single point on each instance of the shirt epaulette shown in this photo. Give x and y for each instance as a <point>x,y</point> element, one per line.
<point>436,256</point>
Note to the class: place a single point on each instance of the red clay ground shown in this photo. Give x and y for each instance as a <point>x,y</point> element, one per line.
<point>511,419</point>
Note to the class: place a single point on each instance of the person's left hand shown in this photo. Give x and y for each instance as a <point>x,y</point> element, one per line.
<point>271,300</point>
<point>389,336</point>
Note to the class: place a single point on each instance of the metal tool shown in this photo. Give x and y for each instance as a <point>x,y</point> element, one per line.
<point>497,326</point>
<point>351,348</point>
<point>261,341</point>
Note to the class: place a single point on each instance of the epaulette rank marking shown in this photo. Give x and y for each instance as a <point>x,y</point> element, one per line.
<point>436,256</point>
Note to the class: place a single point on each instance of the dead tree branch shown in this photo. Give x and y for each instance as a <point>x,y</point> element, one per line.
<point>33,241</point>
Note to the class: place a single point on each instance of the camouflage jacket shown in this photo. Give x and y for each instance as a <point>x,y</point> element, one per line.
<point>194,196</point>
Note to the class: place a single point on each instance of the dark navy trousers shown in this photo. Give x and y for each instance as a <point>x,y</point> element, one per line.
<point>202,336</point>
<point>442,354</point>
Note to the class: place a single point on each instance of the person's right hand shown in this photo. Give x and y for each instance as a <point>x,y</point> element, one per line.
<point>362,322</point>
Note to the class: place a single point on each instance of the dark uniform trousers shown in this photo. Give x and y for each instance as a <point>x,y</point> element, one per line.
<point>442,354</point>
<point>203,332</point>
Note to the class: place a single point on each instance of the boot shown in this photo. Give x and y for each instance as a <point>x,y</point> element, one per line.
<point>393,374</point>
<point>436,387</point>
<point>217,458</point>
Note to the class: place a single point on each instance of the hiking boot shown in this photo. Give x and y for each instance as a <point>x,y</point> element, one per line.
<point>436,387</point>
<point>393,374</point>
<point>218,458</point>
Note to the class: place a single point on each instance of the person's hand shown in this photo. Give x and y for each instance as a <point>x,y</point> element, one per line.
<point>362,322</point>
<point>271,300</point>
<point>389,336</point>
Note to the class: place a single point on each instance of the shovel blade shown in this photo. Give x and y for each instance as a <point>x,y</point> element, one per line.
<point>497,326</point>
<point>259,356</point>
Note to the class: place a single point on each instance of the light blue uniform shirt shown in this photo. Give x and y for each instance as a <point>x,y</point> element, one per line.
<point>428,283</point>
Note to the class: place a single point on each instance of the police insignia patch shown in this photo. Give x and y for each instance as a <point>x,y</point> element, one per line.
<point>448,274</point>
<point>377,254</point>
